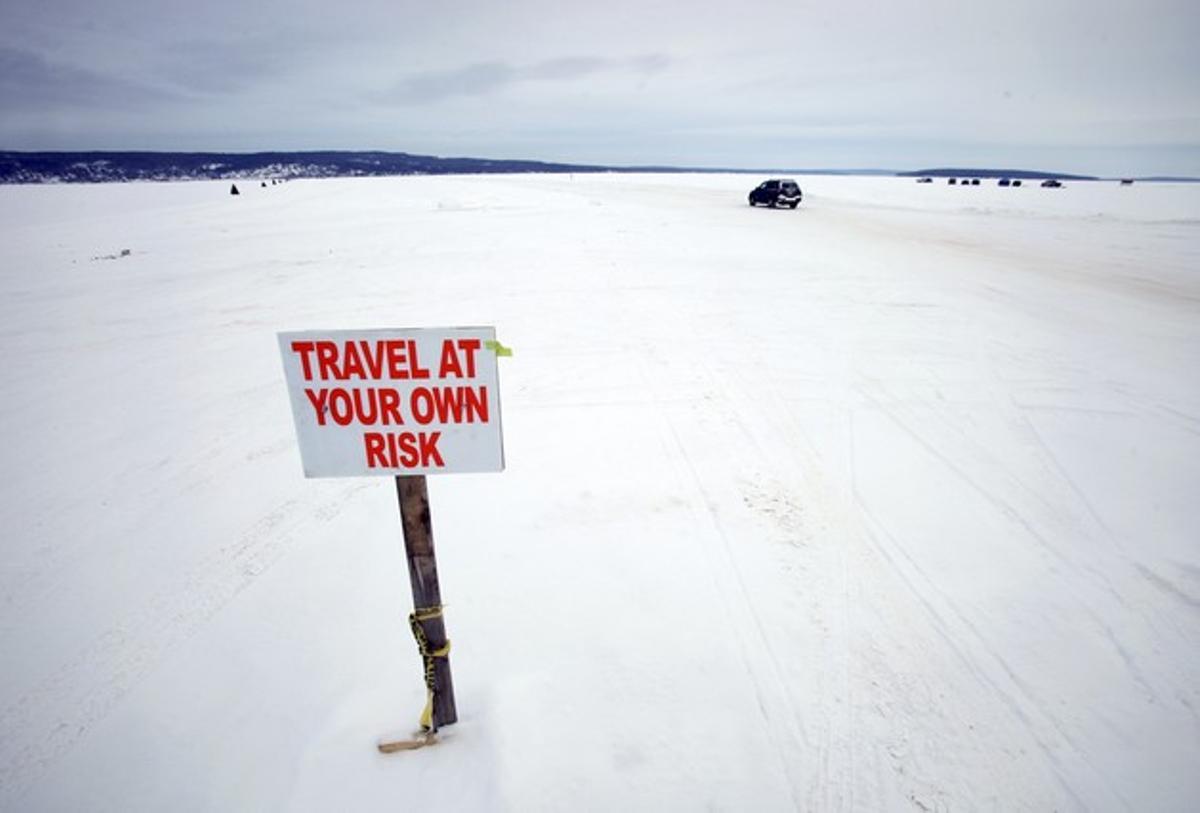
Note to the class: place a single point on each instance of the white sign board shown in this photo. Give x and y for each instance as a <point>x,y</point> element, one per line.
<point>406,401</point>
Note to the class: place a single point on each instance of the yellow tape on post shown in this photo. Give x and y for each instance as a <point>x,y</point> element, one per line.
<point>497,348</point>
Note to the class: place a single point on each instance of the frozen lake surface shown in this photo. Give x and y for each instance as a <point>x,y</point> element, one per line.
<point>889,502</point>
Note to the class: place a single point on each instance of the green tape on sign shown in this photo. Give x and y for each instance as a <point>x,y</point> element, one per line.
<point>500,350</point>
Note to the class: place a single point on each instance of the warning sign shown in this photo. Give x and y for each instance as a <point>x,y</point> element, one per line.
<point>406,401</point>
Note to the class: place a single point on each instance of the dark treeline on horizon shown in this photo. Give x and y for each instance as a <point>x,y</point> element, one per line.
<point>103,166</point>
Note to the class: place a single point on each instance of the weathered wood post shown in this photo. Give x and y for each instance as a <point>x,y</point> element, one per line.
<point>413,495</point>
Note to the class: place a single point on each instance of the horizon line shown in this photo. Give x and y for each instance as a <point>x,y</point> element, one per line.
<point>942,171</point>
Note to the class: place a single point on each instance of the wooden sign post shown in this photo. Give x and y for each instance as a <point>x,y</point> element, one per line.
<point>413,495</point>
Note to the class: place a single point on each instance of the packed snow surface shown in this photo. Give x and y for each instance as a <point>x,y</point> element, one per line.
<point>889,502</point>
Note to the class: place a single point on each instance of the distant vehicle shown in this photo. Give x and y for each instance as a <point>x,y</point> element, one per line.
<point>974,182</point>
<point>924,180</point>
<point>1005,182</point>
<point>777,192</point>
<point>1127,182</point>
<point>1051,183</point>
<point>952,181</point>
<point>1016,182</point>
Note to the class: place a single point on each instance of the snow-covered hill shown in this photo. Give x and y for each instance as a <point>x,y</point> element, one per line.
<point>885,503</point>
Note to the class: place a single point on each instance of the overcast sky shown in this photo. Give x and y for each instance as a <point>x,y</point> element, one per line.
<point>1072,85</point>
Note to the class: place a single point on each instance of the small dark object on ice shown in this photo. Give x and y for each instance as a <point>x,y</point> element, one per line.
<point>233,190</point>
<point>124,253</point>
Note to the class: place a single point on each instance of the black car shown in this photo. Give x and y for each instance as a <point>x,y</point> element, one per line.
<point>777,192</point>
<point>1052,183</point>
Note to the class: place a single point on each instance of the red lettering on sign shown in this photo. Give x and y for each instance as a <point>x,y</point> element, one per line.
<point>341,407</point>
<point>472,347</point>
<point>453,353</point>
<point>366,406</point>
<point>327,360</point>
<point>449,404</point>
<point>409,456</point>
<point>429,452</point>
<point>389,406</point>
<point>397,359</point>
<point>417,370</point>
<point>317,399</point>
<point>304,348</point>
<point>352,366</point>
<point>449,365</point>
<point>365,361</point>
<point>375,458</point>
<point>420,405</point>
<point>476,404</point>
<point>405,450</point>
<point>374,363</point>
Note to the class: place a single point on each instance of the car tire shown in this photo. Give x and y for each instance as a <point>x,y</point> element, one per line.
<point>793,205</point>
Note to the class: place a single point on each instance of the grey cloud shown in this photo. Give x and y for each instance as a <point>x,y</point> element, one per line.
<point>31,82</point>
<point>219,67</point>
<point>565,68</point>
<point>232,63</point>
<point>650,63</point>
<point>473,80</point>
<point>483,78</point>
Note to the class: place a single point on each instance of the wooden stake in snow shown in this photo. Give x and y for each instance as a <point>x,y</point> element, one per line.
<point>413,495</point>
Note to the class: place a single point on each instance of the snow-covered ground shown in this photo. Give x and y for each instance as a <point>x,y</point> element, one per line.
<point>890,502</point>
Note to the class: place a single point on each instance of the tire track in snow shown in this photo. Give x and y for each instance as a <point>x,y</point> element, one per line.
<point>908,570</point>
<point>833,787</point>
<point>1002,506</point>
<point>826,770</point>
<point>911,572</point>
<point>1126,559</point>
<point>829,596</point>
<point>771,697</point>
<point>48,719</point>
<point>769,689</point>
<point>1101,578</point>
